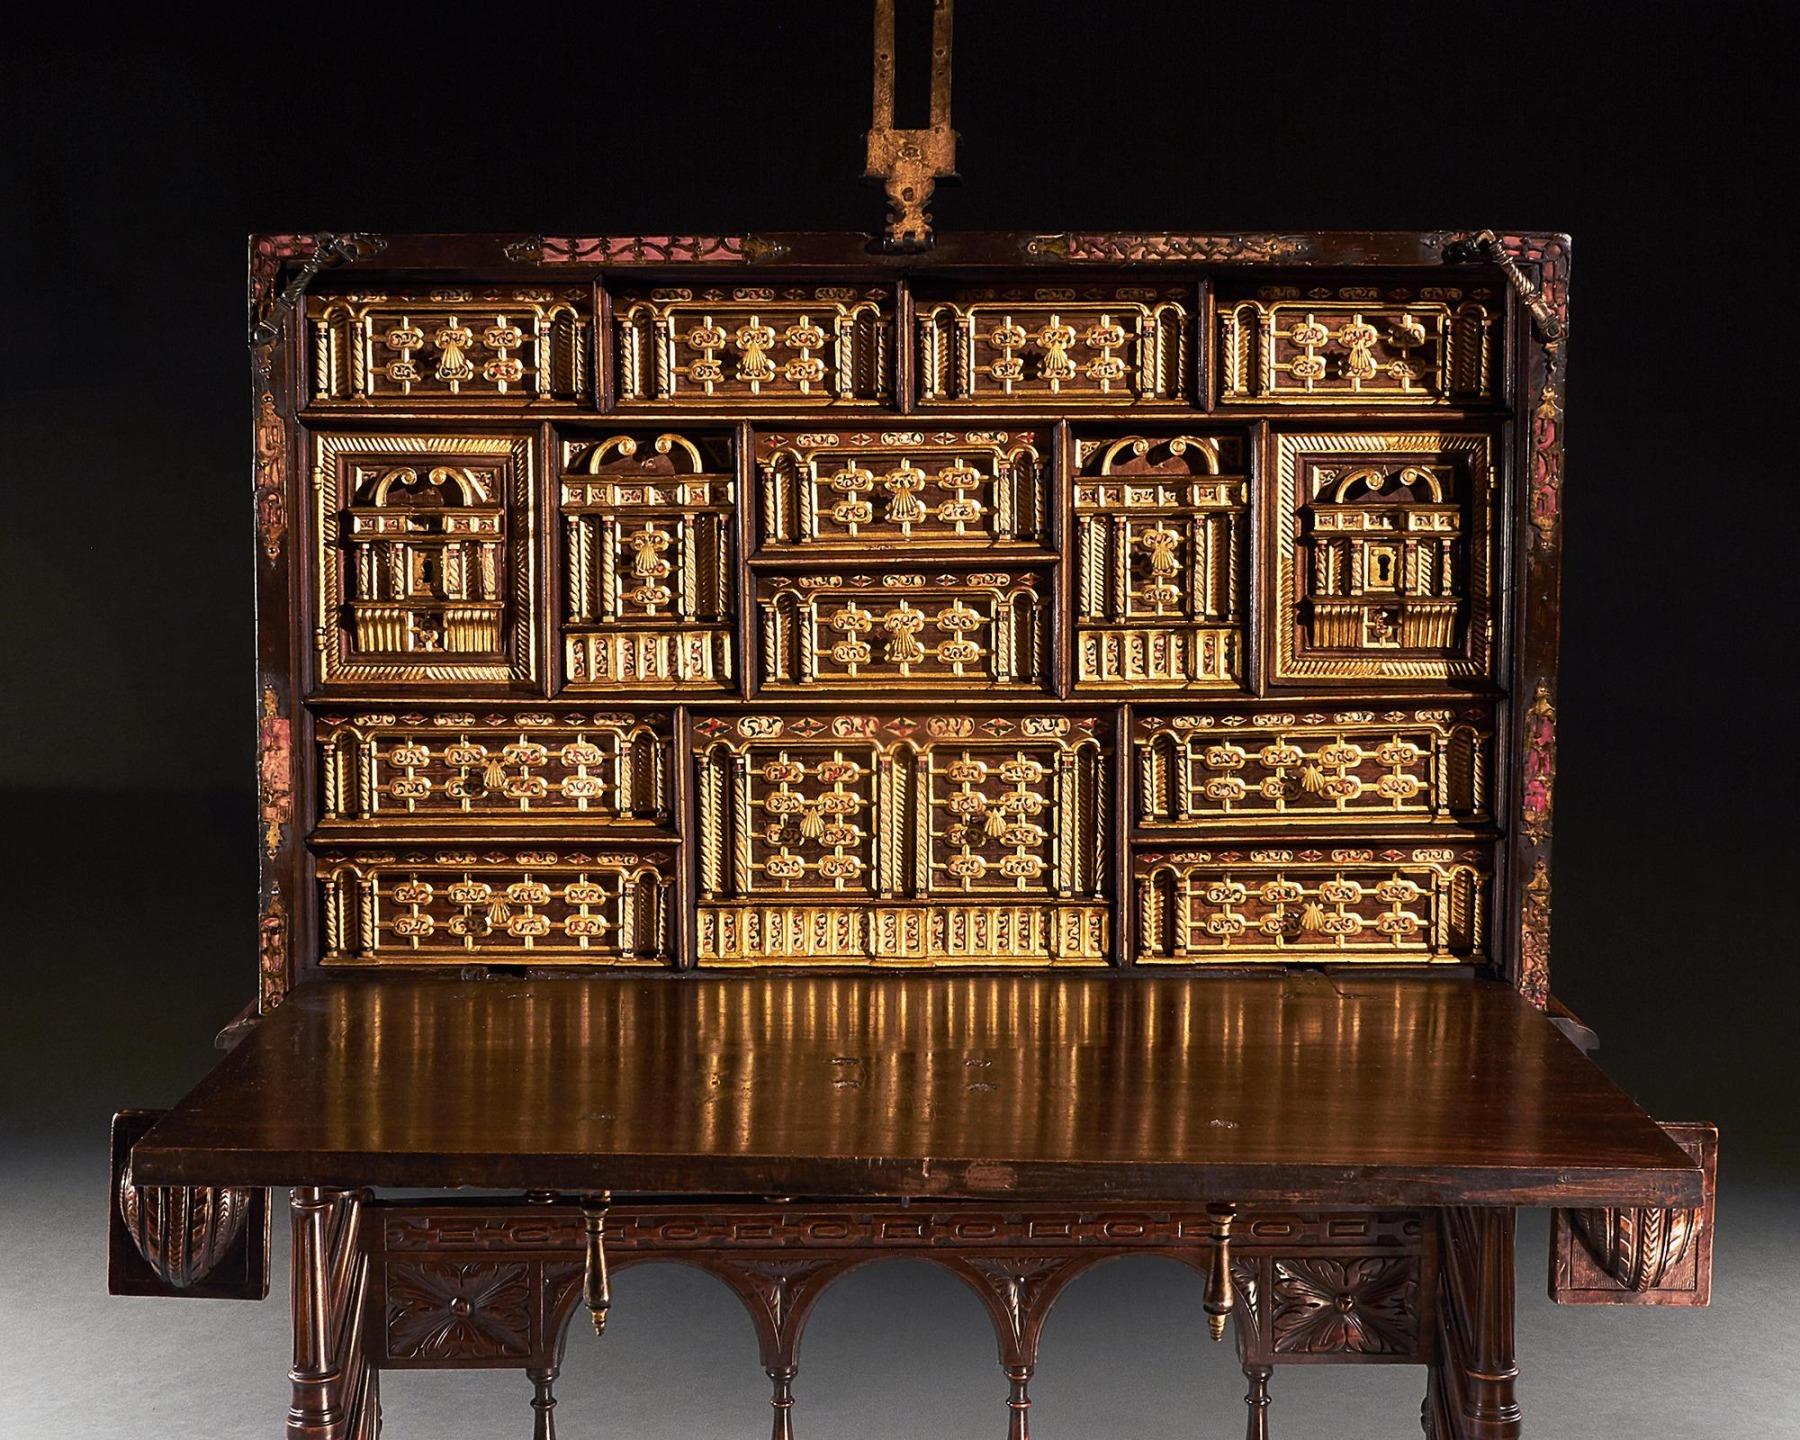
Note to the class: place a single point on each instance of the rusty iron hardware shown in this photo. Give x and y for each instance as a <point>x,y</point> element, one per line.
<point>909,163</point>
<point>330,250</point>
<point>1485,245</point>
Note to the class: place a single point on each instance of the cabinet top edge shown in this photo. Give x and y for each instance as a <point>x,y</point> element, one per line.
<point>540,254</point>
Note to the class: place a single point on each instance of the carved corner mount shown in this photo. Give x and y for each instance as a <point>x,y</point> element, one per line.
<point>1640,1254</point>
<point>205,1242</point>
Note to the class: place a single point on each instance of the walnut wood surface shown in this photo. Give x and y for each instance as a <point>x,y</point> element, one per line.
<point>1365,1091</point>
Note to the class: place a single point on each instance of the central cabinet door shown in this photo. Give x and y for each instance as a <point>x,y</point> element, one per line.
<point>905,837</point>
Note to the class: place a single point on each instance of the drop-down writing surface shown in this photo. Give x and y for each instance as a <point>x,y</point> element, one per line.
<point>1352,1090</point>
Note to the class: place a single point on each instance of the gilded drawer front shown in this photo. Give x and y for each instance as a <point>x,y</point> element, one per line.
<point>1160,522</point>
<point>1226,769</point>
<point>951,629</point>
<point>1359,347</point>
<point>381,767</point>
<point>941,488</point>
<point>1384,557</point>
<point>1056,346</point>
<point>463,347</point>
<point>748,345</point>
<point>924,839</point>
<point>648,588</point>
<point>426,560</point>
<point>494,904</point>
<point>1380,905</point>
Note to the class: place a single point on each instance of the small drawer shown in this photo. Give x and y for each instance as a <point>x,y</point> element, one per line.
<point>946,489</point>
<point>1230,769</point>
<point>475,348</point>
<point>790,346</point>
<point>1372,905</point>
<point>1359,346</point>
<point>456,767</point>
<point>1160,554</point>
<point>497,905</point>
<point>912,838</point>
<point>648,584</point>
<point>1052,347</point>
<point>913,629</point>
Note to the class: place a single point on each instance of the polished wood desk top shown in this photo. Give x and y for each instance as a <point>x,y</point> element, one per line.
<point>1032,1087</point>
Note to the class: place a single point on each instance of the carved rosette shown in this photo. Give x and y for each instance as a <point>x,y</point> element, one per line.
<point>459,1312</point>
<point>182,1232</point>
<point>1368,1305</point>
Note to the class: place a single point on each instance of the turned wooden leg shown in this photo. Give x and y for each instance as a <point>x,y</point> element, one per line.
<point>1018,1403</point>
<point>781,1377</point>
<point>1471,1393</point>
<point>543,1403</point>
<point>1257,1399</point>
<point>336,1394</point>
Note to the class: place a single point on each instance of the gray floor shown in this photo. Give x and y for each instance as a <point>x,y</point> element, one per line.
<point>897,1350</point>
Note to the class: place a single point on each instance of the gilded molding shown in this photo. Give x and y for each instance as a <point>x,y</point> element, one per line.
<point>644,249</point>
<point>1540,766</point>
<point>275,770</point>
<point>271,477</point>
<point>1153,247</point>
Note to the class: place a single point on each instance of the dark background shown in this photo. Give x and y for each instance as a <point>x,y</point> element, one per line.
<point>136,161</point>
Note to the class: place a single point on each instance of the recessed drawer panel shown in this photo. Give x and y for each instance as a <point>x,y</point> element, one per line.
<point>943,488</point>
<point>907,629</point>
<point>1359,346</point>
<point>1372,904</point>
<point>754,345</point>
<point>497,905</point>
<point>1385,557</point>
<point>380,767</point>
<point>462,347</point>
<point>1226,769</point>
<point>912,838</point>
<point>1056,346</point>
<point>426,558</point>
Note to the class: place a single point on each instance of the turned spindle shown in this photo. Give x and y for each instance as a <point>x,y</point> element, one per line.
<point>543,1403</point>
<point>1218,1280</point>
<point>781,1379</point>
<point>1018,1403</point>
<point>596,1292</point>
<point>1257,1399</point>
